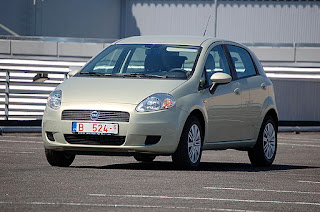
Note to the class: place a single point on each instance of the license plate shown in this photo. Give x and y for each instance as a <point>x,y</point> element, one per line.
<point>94,128</point>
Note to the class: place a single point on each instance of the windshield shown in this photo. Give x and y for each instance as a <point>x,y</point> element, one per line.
<point>159,61</point>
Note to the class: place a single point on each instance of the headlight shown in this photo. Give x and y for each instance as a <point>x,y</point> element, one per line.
<point>54,99</point>
<point>158,101</point>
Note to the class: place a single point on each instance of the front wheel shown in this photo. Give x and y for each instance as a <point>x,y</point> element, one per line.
<point>188,153</point>
<point>264,152</point>
<point>56,158</point>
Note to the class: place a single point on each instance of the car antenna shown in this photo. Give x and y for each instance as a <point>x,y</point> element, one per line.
<point>204,33</point>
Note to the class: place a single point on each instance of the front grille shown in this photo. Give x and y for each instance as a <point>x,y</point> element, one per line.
<point>85,115</point>
<point>95,139</point>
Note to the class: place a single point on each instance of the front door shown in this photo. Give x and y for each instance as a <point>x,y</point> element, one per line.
<point>224,106</point>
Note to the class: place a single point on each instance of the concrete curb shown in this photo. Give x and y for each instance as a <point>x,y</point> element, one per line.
<point>299,129</point>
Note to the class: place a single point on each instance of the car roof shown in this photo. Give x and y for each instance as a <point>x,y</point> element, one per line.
<point>168,39</point>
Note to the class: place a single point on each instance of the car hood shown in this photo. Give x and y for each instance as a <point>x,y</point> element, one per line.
<point>114,90</point>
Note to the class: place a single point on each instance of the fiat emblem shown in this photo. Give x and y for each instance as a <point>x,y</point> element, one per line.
<point>94,115</point>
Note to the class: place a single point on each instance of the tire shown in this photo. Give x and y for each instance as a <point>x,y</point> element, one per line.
<point>189,150</point>
<point>57,158</point>
<point>144,157</point>
<point>265,149</point>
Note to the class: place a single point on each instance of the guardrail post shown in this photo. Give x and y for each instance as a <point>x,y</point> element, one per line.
<point>295,52</point>
<point>7,91</point>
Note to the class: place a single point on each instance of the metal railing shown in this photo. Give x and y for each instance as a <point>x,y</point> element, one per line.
<point>9,30</point>
<point>293,73</point>
<point>26,84</point>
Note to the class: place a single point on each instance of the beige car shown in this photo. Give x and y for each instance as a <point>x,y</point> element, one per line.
<point>147,96</point>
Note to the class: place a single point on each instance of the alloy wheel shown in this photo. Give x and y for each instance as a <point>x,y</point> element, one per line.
<point>194,143</point>
<point>269,141</point>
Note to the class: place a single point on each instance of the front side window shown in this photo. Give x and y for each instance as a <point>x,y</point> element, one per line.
<point>216,62</point>
<point>242,61</point>
<point>131,60</point>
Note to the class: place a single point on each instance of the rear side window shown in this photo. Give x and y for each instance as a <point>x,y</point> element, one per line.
<point>242,61</point>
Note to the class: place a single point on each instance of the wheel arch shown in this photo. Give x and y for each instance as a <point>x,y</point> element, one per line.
<point>258,155</point>
<point>181,157</point>
<point>269,108</point>
<point>273,114</point>
<point>199,115</point>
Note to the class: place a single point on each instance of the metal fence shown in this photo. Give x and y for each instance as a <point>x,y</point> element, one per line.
<point>26,84</point>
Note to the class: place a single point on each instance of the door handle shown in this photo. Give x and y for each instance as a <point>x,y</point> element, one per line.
<point>263,86</point>
<point>237,91</point>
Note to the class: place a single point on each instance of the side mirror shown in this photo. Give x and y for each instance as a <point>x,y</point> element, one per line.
<point>73,72</point>
<point>220,78</point>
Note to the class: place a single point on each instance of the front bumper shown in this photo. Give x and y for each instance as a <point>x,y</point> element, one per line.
<point>161,124</point>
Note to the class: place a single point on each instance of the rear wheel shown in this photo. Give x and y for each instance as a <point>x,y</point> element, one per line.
<point>264,152</point>
<point>144,157</point>
<point>56,158</point>
<point>188,153</point>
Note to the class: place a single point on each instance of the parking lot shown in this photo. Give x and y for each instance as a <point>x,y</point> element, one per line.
<point>225,181</point>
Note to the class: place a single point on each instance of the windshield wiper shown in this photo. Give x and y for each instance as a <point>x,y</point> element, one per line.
<point>91,73</point>
<point>142,75</point>
<point>100,74</point>
<point>123,75</point>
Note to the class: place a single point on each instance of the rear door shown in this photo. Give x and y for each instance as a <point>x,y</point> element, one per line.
<point>252,86</point>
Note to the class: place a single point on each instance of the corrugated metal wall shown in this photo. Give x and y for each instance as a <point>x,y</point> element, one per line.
<point>78,18</point>
<point>62,18</point>
<point>269,21</point>
<point>163,17</point>
<point>243,21</point>
<point>297,100</point>
<point>18,16</point>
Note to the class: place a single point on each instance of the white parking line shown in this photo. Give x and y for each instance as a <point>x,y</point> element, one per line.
<point>209,199</point>
<point>300,145</point>
<point>12,136</point>
<point>12,152</point>
<point>298,139</point>
<point>262,190</point>
<point>31,142</point>
<point>16,148</point>
<point>119,206</point>
<point>302,181</point>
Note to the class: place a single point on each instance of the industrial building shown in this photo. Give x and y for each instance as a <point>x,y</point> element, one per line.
<point>248,21</point>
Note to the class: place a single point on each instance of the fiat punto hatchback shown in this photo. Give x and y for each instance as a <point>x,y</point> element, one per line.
<point>147,96</point>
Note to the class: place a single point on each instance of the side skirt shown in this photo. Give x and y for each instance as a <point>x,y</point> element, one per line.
<point>238,145</point>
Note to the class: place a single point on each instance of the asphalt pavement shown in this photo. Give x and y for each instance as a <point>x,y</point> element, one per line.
<point>225,180</point>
